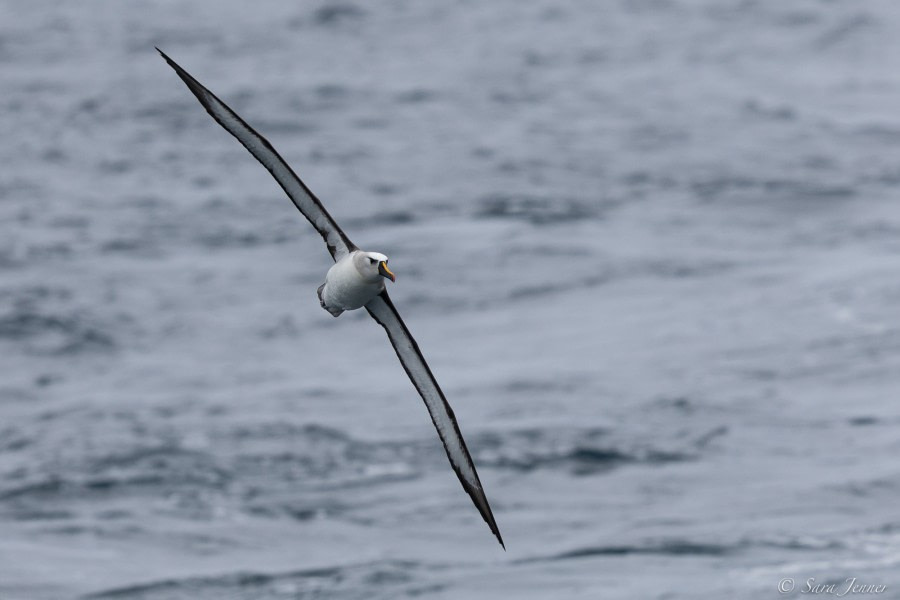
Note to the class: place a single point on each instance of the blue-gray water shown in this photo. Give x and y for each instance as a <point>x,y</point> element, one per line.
<point>650,249</point>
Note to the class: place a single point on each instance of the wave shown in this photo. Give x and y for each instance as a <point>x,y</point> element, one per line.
<point>580,452</point>
<point>376,578</point>
<point>41,332</point>
<point>681,547</point>
<point>538,210</point>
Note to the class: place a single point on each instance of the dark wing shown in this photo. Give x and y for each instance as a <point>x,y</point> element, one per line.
<point>382,310</point>
<point>338,243</point>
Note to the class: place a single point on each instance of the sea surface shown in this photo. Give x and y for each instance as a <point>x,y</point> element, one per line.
<point>650,248</point>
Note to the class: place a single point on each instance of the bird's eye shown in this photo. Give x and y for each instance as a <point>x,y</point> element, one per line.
<point>371,261</point>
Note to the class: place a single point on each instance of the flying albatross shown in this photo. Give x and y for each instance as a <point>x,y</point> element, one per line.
<point>355,280</point>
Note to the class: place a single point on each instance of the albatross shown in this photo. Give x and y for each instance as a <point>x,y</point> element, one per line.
<point>356,280</point>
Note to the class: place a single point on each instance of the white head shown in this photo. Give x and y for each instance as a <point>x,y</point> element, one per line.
<point>372,266</point>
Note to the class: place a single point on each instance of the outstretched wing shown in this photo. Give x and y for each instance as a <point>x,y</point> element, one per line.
<point>382,310</point>
<point>338,243</point>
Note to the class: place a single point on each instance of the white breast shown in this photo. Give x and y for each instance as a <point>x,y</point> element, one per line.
<point>346,289</point>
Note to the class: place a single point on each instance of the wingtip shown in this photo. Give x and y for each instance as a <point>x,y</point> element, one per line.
<point>496,531</point>
<point>487,514</point>
<point>167,59</point>
<point>484,508</point>
<point>195,86</point>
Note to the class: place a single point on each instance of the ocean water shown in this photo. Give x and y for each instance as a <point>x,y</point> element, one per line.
<point>650,249</point>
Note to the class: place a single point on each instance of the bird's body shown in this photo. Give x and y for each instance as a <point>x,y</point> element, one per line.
<point>353,281</point>
<point>356,280</point>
